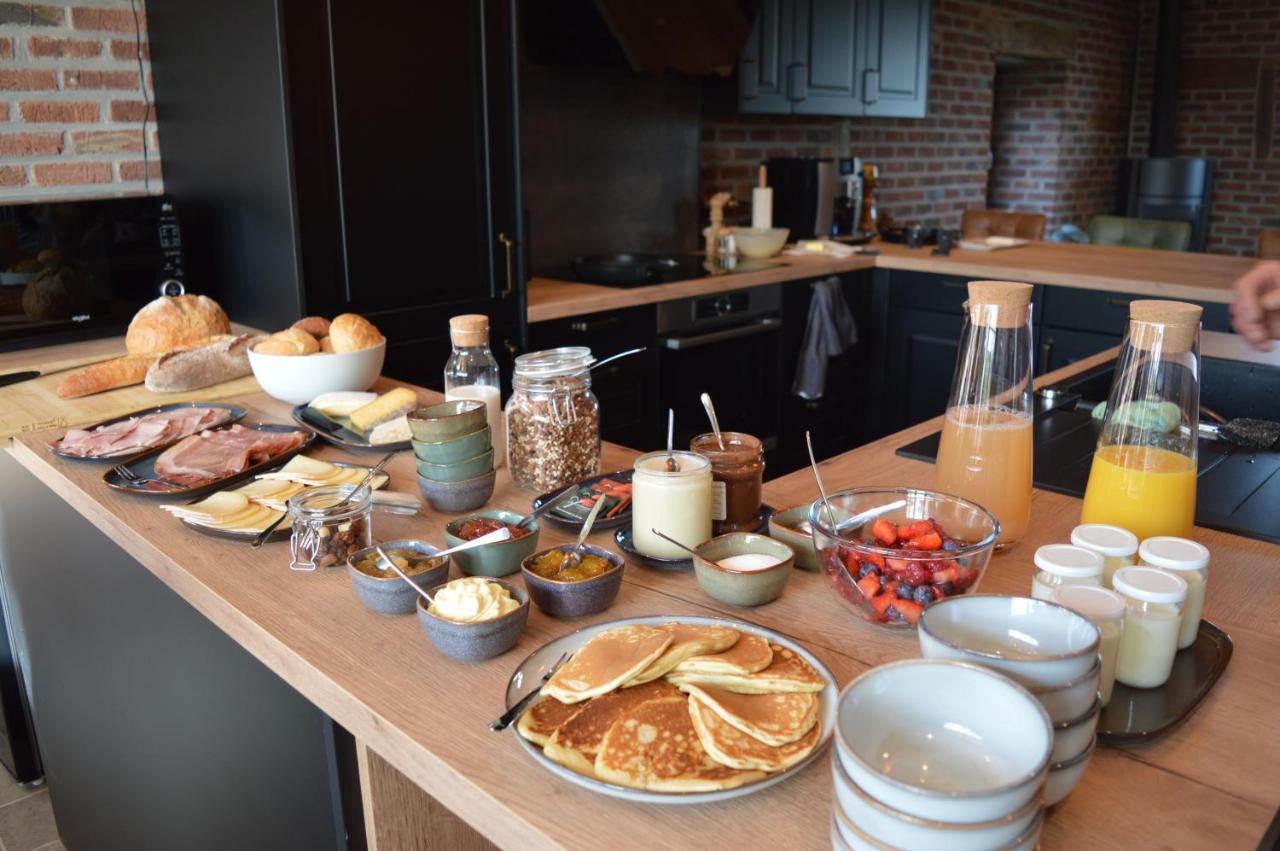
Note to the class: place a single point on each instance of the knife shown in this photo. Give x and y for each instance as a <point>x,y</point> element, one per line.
<point>17,377</point>
<point>320,422</point>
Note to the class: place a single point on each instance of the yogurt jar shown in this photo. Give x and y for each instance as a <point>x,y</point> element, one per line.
<point>1152,619</point>
<point>1190,561</point>
<point>1107,611</point>
<point>675,502</point>
<point>1060,565</point>
<point>1118,547</point>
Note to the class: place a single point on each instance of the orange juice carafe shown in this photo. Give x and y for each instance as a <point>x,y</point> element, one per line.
<point>985,453</point>
<point>1143,476</point>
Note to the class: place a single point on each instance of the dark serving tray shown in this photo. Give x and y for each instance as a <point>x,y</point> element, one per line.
<point>337,433</point>
<point>234,414</point>
<point>1137,716</point>
<point>144,465</point>
<point>623,518</point>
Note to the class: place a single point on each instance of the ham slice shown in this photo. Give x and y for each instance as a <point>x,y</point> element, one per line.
<point>211,455</point>
<point>136,434</point>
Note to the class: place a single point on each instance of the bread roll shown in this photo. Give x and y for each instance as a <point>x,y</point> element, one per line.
<point>326,345</point>
<point>223,360</point>
<point>351,332</point>
<point>316,326</point>
<point>170,322</point>
<point>107,375</point>
<point>290,341</point>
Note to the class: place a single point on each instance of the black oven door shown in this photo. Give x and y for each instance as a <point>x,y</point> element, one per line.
<point>738,365</point>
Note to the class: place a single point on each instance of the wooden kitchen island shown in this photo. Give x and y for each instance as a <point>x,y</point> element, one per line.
<point>421,719</point>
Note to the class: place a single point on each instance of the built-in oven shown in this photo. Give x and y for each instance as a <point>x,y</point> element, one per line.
<point>727,345</point>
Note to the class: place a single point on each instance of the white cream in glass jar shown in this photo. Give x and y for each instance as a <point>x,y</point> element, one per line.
<point>675,502</point>
<point>1058,565</point>
<point>1118,547</point>
<point>1107,610</point>
<point>1153,615</point>
<point>1190,561</point>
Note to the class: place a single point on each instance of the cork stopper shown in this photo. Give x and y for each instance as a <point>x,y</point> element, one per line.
<point>999,304</point>
<point>470,329</point>
<point>1170,326</point>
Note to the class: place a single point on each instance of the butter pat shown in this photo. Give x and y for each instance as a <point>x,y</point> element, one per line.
<point>386,407</point>
<point>472,599</point>
<point>392,431</point>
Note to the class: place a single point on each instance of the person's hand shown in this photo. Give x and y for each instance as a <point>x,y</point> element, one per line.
<point>1255,313</point>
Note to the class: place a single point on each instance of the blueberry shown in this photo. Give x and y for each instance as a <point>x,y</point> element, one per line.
<point>904,591</point>
<point>892,612</point>
<point>865,567</point>
<point>884,580</point>
<point>946,588</point>
<point>923,595</point>
<point>950,545</point>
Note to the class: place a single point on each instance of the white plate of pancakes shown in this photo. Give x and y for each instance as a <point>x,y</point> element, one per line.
<point>717,709</point>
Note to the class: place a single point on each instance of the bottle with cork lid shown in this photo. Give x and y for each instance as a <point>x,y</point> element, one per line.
<point>472,373</point>
<point>985,451</point>
<point>1143,476</point>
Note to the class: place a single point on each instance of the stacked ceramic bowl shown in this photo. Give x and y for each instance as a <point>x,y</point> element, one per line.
<point>1046,648</point>
<point>933,755</point>
<point>454,453</point>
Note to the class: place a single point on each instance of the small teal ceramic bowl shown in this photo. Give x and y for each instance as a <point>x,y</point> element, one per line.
<point>467,468</point>
<point>475,642</point>
<point>452,497</point>
<point>388,594</point>
<point>447,420</point>
<point>742,586</point>
<point>786,526</point>
<point>575,599</point>
<point>499,559</point>
<point>454,450</point>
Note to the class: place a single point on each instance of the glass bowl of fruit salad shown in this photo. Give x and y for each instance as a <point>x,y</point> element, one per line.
<point>890,552</point>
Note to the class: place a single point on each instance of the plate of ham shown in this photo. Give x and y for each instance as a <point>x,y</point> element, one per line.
<point>132,434</point>
<point>209,459</point>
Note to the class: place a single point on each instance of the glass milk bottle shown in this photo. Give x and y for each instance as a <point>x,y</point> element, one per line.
<point>1118,547</point>
<point>675,502</point>
<point>1106,609</point>
<point>1143,476</point>
<point>1190,561</point>
<point>1153,616</point>
<point>985,453</point>
<point>472,373</point>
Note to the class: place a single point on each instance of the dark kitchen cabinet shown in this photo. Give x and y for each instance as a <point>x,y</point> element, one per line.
<point>838,57</point>
<point>921,358</point>
<point>381,154</point>
<point>1060,347</point>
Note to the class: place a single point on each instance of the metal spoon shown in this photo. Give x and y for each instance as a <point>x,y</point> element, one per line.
<point>391,564</point>
<point>637,350</point>
<point>672,466</point>
<point>493,537</point>
<point>574,556</point>
<point>813,462</point>
<point>373,471</point>
<point>711,415</point>
<point>672,540</point>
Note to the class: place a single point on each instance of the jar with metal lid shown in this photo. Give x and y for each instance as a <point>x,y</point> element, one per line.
<point>1190,561</point>
<point>1118,547</point>
<point>1059,565</point>
<point>327,526</point>
<point>1153,615</point>
<point>1106,609</point>
<point>676,502</point>
<point>737,471</point>
<point>553,419</point>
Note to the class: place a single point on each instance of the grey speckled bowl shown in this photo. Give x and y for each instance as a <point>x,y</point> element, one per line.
<point>447,420</point>
<point>782,527</point>
<point>499,559</point>
<point>743,587</point>
<point>575,599</point>
<point>390,595</point>
<point>475,642</point>
<point>452,497</point>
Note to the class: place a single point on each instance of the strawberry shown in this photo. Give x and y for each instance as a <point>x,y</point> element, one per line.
<point>884,532</point>
<point>882,603</point>
<point>928,541</point>
<point>947,574</point>
<point>914,575</point>
<point>915,530</point>
<point>909,609</point>
<point>874,558</point>
<point>869,585</point>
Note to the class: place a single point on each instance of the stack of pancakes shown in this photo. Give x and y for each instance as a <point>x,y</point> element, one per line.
<point>678,708</point>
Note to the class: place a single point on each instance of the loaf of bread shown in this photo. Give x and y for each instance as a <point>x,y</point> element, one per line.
<point>106,375</point>
<point>290,341</point>
<point>351,332</point>
<point>224,360</point>
<point>170,322</point>
<point>316,326</point>
<point>326,345</point>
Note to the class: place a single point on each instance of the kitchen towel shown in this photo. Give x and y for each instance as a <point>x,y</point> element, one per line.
<point>831,330</point>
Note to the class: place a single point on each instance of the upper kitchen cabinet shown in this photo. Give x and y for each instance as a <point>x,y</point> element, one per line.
<point>837,57</point>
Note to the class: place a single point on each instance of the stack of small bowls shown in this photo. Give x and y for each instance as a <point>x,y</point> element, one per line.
<point>1046,648</point>
<point>454,453</point>
<point>933,755</point>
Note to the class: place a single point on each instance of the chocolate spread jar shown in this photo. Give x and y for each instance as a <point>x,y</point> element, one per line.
<point>736,472</point>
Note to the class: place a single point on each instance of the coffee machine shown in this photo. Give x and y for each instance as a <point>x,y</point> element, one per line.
<point>804,193</point>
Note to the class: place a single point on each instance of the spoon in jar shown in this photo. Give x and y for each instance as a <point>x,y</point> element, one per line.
<point>637,350</point>
<point>574,555</point>
<point>671,540</point>
<point>813,462</point>
<point>711,415</point>
<point>672,466</point>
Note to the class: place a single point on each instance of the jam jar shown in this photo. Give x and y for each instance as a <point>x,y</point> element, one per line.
<point>736,472</point>
<point>1154,601</point>
<point>553,419</point>
<point>327,526</point>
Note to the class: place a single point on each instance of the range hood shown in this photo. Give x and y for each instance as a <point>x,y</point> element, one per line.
<point>699,38</point>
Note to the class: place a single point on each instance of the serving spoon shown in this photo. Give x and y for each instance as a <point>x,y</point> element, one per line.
<point>671,540</point>
<point>496,535</point>
<point>813,463</point>
<point>711,415</point>
<point>672,466</point>
<point>574,556</point>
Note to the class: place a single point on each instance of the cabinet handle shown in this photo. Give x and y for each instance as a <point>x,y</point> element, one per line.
<point>508,243</point>
<point>1117,302</point>
<point>796,87</point>
<point>510,346</point>
<point>870,85</point>
<point>1046,349</point>
<point>596,325</point>
<point>955,285</point>
<point>749,79</point>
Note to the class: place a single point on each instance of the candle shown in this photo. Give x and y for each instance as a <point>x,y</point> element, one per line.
<point>676,503</point>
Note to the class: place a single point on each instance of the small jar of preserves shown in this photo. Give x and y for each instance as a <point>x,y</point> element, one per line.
<point>328,526</point>
<point>1059,565</point>
<point>553,419</point>
<point>737,471</point>
<point>1190,561</point>
<point>676,502</point>
<point>1106,609</point>
<point>1118,547</point>
<point>1153,615</point>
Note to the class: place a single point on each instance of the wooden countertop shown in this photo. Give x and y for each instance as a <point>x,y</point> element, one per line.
<point>1159,274</point>
<point>1215,782</point>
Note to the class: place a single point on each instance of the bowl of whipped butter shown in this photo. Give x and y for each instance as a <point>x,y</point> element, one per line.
<point>474,618</point>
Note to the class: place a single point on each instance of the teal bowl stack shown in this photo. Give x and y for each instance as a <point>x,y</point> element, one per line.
<point>453,449</point>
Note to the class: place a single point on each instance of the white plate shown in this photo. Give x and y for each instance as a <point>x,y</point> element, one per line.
<point>529,673</point>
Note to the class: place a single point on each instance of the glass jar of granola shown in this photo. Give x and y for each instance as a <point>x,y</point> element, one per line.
<point>553,419</point>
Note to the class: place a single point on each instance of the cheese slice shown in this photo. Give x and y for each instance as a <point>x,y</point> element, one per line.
<point>341,403</point>
<point>392,431</point>
<point>388,406</point>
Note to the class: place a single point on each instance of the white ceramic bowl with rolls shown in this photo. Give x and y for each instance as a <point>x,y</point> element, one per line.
<point>298,379</point>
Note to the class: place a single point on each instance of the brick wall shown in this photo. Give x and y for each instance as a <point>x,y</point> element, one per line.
<point>932,169</point>
<point>1228,108</point>
<point>71,102</point>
